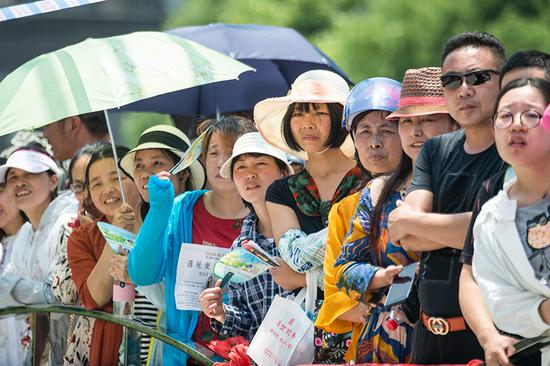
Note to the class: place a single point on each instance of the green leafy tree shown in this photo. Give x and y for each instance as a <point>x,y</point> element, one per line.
<point>382,38</point>
<point>368,38</point>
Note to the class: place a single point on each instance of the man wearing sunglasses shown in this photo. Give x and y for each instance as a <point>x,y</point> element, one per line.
<point>437,210</point>
<point>523,64</point>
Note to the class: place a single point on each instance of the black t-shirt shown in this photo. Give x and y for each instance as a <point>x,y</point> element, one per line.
<point>279,192</point>
<point>488,190</point>
<point>454,177</point>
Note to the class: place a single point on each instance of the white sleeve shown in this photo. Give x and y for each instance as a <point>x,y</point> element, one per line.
<point>16,290</point>
<point>513,308</point>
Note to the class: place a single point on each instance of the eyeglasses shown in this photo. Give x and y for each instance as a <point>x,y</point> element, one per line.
<point>472,78</point>
<point>77,187</point>
<point>528,119</point>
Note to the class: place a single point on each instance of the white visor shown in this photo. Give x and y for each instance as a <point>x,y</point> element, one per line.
<point>30,161</point>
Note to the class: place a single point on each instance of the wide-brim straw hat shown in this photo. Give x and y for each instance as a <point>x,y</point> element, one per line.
<point>421,94</point>
<point>167,138</point>
<point>253,143</point>
<point>315,86</point>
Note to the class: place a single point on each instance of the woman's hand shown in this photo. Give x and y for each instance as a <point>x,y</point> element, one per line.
<point>83,217</point>
<point>357,314</point>
<point>125,218</point>
<point>390,272</point>
<point>384,277</point>
<point>119,266</point>
<point>160,189</point>
<point>286,278</point>
<point>163,175</point>
<point>211,301</point>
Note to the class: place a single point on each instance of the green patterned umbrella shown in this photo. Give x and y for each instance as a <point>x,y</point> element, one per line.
<point>106,73</point>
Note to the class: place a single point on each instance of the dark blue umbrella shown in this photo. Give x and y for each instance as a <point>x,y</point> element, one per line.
<point>278,54</point>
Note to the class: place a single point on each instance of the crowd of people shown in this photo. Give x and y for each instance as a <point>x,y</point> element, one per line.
<point>447,168</point>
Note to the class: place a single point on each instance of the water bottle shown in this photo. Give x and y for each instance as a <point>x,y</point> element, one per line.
<point>124,295</point>
<point>123,298</point>
<point>395,318</point>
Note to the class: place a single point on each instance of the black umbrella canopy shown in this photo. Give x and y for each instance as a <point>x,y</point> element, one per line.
<point>278,54</point>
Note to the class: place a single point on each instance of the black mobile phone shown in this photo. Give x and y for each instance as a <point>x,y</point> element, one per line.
<point>401,286</point>
<point>528,348</point>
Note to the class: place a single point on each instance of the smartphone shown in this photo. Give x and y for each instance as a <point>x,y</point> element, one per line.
<point>401,286</point>
<point>528,348</point>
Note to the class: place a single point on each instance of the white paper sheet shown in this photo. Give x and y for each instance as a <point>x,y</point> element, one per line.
<point>195,265</point>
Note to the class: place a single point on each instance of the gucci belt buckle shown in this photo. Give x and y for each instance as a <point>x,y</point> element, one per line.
<point>438,326</point>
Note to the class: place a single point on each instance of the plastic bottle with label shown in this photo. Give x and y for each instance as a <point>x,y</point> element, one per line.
<point>395,318</point>
<point>123,298</point>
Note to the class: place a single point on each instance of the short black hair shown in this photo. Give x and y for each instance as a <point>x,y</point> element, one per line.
<point>86,150</point>
<point>540,84</point>
<point>337,134</point>
<point>531,58</point>
<point>95,123</point>
<point>105,152</point>
<point>479,40</point>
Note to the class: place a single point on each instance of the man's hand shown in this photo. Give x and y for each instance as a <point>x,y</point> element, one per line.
<point>285,277</point>
<point>399,219</point>
<point>125,218</point>
<point>211,301</point>
<point>497,348</point>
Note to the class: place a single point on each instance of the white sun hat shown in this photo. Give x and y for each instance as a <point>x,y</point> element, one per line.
<point>29,160</point>
<point>315,86</point>
<point>170,138</point>
<point>253,143</point>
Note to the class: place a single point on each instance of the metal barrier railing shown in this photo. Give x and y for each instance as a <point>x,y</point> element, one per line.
<point>123,321</point>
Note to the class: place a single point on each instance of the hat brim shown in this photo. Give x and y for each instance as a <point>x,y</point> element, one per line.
<point>269,114</point>
<point>20,163</point>
<point>225,171</point>
<point>414,111</point>
<point>197,176</point>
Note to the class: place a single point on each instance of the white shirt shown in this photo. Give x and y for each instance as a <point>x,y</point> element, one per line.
<point>502,270</point>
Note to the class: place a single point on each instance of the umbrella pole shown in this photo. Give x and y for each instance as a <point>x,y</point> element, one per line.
<point>218,114</point>
<point>113,146</point>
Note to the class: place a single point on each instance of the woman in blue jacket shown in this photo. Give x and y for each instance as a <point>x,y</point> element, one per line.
<point>211,217</point>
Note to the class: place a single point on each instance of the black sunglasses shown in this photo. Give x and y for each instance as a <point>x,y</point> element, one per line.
<point>473,78</point>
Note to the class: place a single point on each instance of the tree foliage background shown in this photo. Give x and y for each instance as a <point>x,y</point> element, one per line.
<point>369,38</point>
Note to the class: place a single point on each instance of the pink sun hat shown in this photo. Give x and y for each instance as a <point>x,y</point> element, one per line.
<point>313,86</point>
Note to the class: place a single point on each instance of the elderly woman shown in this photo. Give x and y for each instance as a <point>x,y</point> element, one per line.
<point>369,261</point>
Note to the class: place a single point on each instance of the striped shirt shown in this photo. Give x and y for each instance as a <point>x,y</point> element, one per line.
<point>146,313</point>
